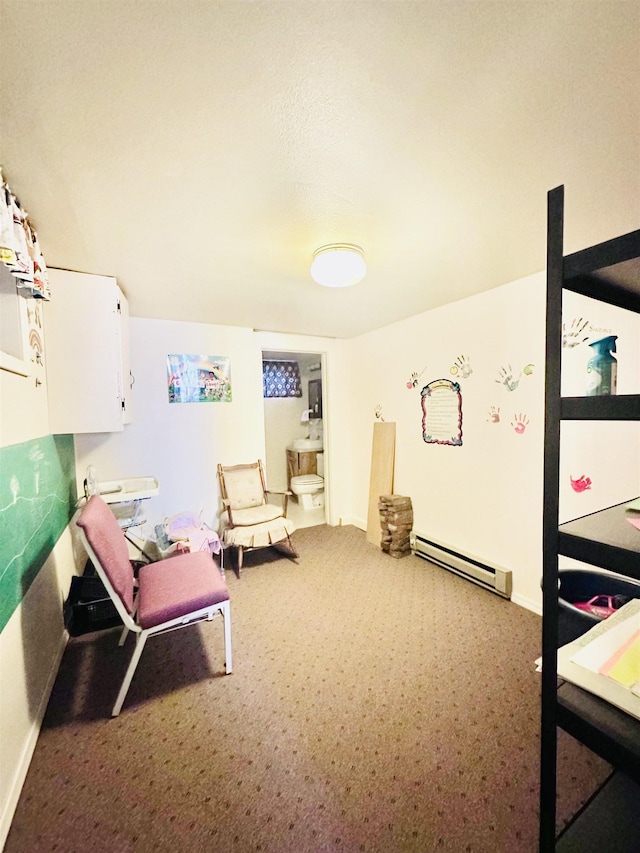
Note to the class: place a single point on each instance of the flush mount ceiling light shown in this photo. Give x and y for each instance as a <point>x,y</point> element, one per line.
<point>338,265</point>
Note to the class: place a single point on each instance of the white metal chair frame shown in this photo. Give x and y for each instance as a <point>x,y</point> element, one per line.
<point>142,634</point>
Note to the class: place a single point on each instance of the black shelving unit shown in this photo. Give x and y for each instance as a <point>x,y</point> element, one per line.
<point>609,272</point>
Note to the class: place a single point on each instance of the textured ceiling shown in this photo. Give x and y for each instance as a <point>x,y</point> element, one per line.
<point>200,151</point>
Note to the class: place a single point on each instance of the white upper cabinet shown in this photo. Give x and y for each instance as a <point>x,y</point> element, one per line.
<point>87,353</point>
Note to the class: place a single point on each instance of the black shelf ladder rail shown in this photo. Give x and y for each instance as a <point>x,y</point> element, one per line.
<point>602,728</point>
<point>550,519</point>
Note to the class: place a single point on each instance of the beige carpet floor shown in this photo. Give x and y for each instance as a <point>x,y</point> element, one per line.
<point>375,705</point>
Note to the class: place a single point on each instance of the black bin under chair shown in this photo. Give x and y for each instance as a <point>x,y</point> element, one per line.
<point>88,607</point>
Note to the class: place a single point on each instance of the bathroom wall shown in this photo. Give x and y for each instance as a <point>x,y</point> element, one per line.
<point>337,414</point>
<point>282,425</point>
<point>282,418</point>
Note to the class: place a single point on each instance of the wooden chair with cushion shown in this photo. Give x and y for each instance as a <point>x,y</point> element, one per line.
<point>249,519</point>
<point>171,594</point>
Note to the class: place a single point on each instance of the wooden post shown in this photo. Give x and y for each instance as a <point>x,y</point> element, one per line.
<point>381,482</point>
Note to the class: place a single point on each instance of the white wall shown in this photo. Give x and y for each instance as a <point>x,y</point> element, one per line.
<point>181,443</point>
<point>484,497</point>
<point>32,642</point>
<point>606,453</point>
<point>31,647</point>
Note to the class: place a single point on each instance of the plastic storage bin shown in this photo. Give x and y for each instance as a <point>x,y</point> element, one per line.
<point>583,585</point>
<point>88,607</point>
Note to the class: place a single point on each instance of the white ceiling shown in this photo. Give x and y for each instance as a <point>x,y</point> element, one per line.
<point>200,151</point>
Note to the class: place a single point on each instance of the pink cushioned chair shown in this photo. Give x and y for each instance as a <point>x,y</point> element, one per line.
<point>171,594</point>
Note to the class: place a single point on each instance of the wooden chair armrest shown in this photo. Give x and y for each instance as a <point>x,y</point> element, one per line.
<point>285,499</point>
<point>227,508</point>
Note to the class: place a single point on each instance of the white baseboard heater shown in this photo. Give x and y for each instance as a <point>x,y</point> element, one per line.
<point>487,575</point>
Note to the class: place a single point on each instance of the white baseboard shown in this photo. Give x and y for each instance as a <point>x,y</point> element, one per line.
<point>356,522</point>
<point>22,769</point>
<point>527,603</point>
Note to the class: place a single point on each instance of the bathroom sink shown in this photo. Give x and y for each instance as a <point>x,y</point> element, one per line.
<point>307,444</point>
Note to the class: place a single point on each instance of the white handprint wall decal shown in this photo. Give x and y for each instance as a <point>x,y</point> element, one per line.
<point>461,366</point>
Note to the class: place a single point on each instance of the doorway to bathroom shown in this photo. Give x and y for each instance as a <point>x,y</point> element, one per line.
<point>295,447</point>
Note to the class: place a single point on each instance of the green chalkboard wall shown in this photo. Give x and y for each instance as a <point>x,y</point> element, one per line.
<point>37,500</point>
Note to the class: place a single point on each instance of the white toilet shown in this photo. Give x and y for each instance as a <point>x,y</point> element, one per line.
<point>309,488</point>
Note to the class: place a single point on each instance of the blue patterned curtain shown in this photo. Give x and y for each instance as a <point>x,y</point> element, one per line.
<point>281,379</point>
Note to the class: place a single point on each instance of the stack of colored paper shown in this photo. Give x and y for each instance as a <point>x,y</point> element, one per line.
<point>606,660</point>
<point>624,665</point>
